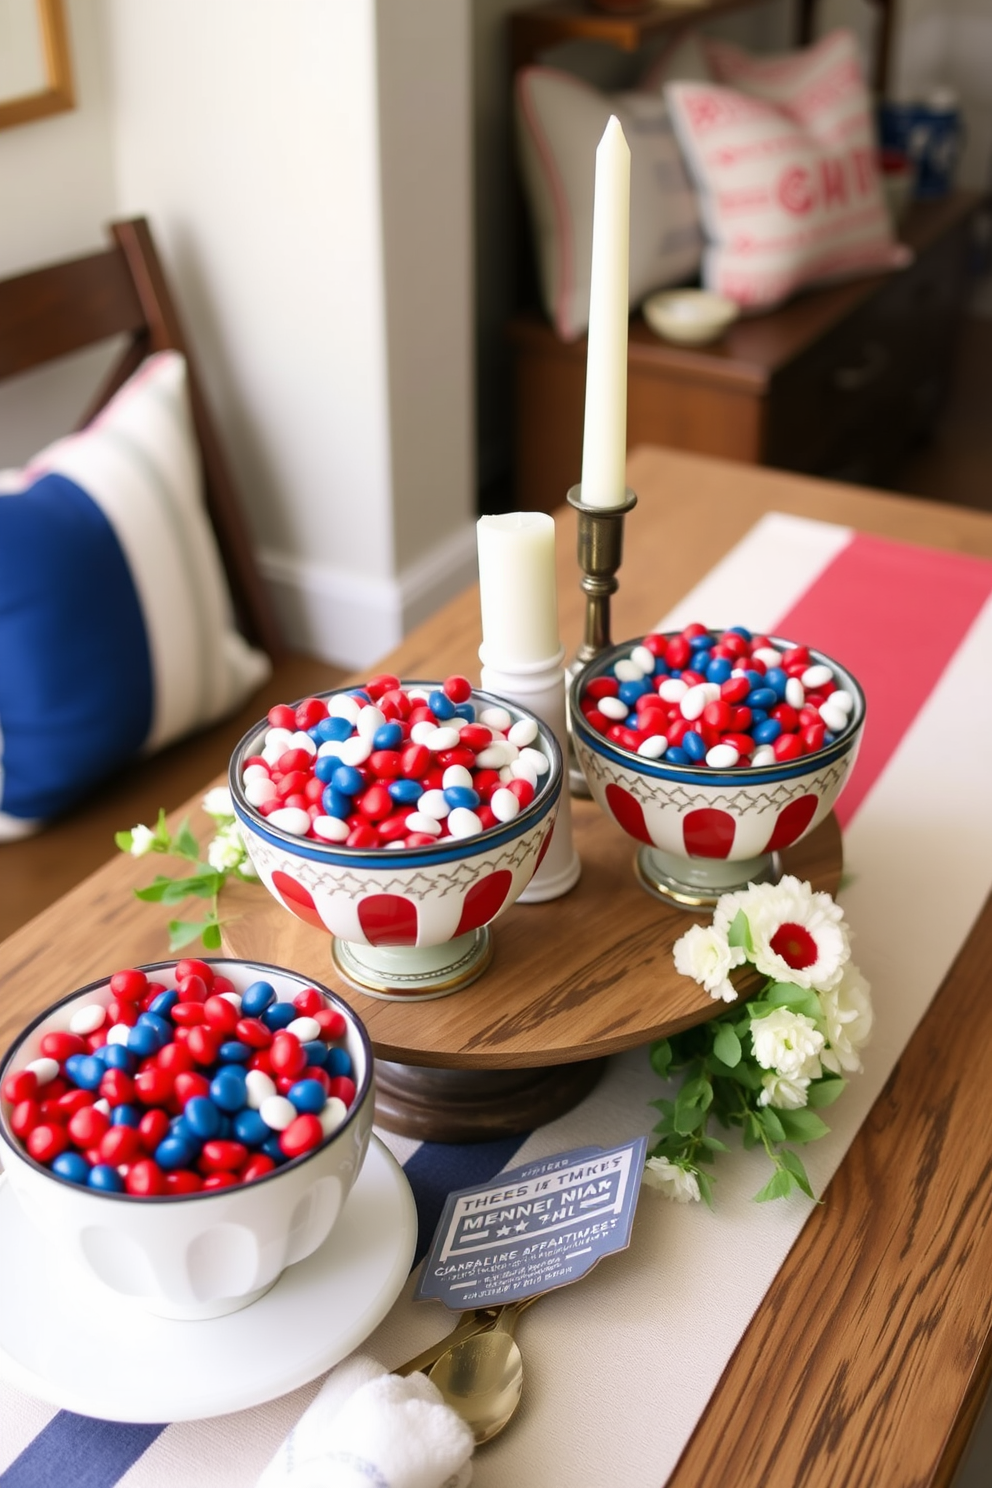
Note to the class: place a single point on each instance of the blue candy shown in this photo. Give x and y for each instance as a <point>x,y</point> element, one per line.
<point>754,679</point>
<point>250,1129</point>
<point>336,729</point>
<point>700,660</point>
<point>143,1040</point>
<point>762,697</point>
<point>440,705</point>
<point>163,1004</point>
<point>88,1071</point>
<point>629,692</point>
<point>719,670</point>
<point>337,1061</point>
<point>777,678</point>
<point>105,1178</point>
<point>116,1056</point>
<point>174,1152</point>
<point>202,1117</point>
<point>462,795</point>
<point>740,630</point>
<point>335,803</point>
<point>758,715</point>
<point>767,731</point>
<point>405,792</point>
<point>316,1053</point>
<point>466,711</point>
<point>676,756</point>
<point>126,1115</point>
<point>307,1095</point>
<point>71,1165</point>
<point>390,736</point>
<point>272,1149</point>
<point>256,998</point>
<point>694,745</point>
<point>701,642</point>
<point>324,767</point>
<point>348,780</point>
<point>159,1026</point>
<point>233,1051</point>
<point>228,1089</point>
<point>279,1015</point>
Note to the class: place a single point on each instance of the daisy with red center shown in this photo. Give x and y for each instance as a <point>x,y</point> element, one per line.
<point>797,934</point>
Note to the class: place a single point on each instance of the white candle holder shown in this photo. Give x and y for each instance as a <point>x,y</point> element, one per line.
<point>540,688</point>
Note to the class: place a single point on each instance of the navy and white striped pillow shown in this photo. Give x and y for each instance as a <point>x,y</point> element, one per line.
<point>116,624</point>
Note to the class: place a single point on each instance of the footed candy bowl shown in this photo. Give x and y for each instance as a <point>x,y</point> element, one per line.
<point>409,912</point>
<point>712,824</point>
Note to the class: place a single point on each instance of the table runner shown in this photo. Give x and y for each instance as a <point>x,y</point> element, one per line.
<point>621,1366</point>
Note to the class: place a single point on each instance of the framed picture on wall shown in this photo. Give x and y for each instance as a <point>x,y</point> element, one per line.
<point>35,71</point>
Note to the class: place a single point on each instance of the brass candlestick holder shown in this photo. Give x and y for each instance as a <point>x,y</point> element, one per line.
<point>599,549</point>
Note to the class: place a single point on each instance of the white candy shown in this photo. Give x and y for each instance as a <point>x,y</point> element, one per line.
<point>258,791</point>
<point>653,747</point>
<point>277,1112</point>
<point>118,1034</point>
<point>102,1105</point>
<point>613,707</point>
<point>234,998</point>
<point>504,805</point>
<point>273,753</point>
<point>88,1018</point>
<point>537,758</point>
<point>300,740</point>
<point>343,705</point>
<point>842,700</point>
<point>506,774</point>
<point>722,757</point>
<point>370,718</point>
<point>355,751</point>
<point>835,719</point>
<point>418,821</point>
<point>795,693</point>
<point>330,747</point>
<point>694,701</point>
<point>496,718</point>
<point>628,671</point>
<point>259,1087</point>
<point>673,689</point>
<point>523,732</point>
<point>432,803</point>
<point>332,1113</point>
<point>768,655</point>
<point>815,676</point>
<point>522,769</point>
<point>45,1069</point>
<point>763,755</point>
<point>331,828</point>
<point>397,845</point>
<point>291,819</point>
<point>442,738</point>
<point>306,1029</point>
<point>422,731</point>
<point>643,658</point>
<point>254,772</point>
<point>278,738</point>
<point>456,775</point>
<point>495,756</point>
<point>464,823</point>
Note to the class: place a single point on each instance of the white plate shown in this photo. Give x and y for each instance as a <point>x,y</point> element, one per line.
<point>70,1342</point>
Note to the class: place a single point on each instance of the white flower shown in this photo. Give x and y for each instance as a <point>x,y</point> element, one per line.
<point>674,1182</point>
<point>226,850</point>
<point>703,954</point>
<point>797,935</point>
<point>142,841</point>
<point>786,1092</point>
<point>788,1043</point>
<point>848,1016</point>
<point>217,802</point>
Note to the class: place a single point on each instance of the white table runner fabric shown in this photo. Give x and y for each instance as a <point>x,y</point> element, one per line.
<point>620,1367</point>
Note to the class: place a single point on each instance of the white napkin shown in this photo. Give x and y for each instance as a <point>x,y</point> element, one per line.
<point>367,1427</point>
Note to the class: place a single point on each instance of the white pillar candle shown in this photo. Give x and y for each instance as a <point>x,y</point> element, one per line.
<point>518,588</point>
<point>604,445</point>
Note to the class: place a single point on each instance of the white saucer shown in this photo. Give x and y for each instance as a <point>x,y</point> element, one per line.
<point>86,1350</point>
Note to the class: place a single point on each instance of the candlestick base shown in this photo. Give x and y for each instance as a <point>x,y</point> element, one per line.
<point>413,973</point>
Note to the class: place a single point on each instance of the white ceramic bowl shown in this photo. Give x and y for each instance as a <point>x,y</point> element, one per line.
<point>204,1254</point>
<point>689,317</point>
<point>708,831</point>
<point>403,919</point>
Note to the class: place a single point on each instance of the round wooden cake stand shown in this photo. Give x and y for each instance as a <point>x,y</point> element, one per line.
<point>572,980</point>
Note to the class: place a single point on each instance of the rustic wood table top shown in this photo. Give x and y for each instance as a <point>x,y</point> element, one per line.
<point>892,1274</point>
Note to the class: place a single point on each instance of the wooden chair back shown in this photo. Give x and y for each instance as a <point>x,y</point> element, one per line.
<point>55,311</point>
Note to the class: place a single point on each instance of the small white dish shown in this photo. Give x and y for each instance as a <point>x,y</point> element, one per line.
<point>70,1341</point>
<point>689,317</point>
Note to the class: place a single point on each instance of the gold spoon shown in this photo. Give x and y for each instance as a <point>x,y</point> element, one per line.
<point>476,1321</point>
<point>482,1376</point>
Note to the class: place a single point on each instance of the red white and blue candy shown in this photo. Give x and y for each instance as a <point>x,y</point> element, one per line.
<point>722,699</point>
<point>385,766</point>
<point>181,1089</point>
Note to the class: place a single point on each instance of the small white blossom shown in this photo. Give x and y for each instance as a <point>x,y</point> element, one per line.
<point>798,935</point>
<point>675,1182</point>
<point>785,1092</point>
<point>218,804</point>
<point>226,850</point>
<point>142,841</point>
<point>703,954</point>
<point>788,1043</point>
<point>848,1016</point>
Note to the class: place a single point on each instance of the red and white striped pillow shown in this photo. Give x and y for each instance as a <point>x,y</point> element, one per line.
<point>784,162</point>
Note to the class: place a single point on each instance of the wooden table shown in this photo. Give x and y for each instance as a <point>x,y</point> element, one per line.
<point>882,1382</point>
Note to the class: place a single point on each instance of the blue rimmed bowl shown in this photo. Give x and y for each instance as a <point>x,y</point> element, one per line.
<point>703,831</point>
<point>408,923</point>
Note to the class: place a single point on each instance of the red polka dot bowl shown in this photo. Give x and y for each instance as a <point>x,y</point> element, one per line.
<point>707,831</point>
<point>208,1253</point>
<point>409,923</point>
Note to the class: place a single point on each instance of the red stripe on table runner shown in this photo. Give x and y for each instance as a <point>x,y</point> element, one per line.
<point>894,615</point>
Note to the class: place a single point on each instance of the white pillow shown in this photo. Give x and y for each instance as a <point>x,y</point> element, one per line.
<point>116,624</point>
<point>560,122</point>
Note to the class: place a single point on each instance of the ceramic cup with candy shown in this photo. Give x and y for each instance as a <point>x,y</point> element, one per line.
<point>220,1236</point>
<point>417,814</point>
<point>714,754</point>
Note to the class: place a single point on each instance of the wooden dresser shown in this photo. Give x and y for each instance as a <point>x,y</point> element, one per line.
<point>838,383</point>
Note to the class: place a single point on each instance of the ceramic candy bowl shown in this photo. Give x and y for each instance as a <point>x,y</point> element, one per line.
<point>188,1255</point>
<point>408,922</point>
<point>705,829</point>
